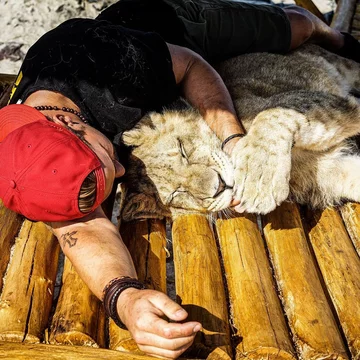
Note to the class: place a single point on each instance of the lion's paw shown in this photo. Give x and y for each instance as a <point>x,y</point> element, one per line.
<point>261,176</point>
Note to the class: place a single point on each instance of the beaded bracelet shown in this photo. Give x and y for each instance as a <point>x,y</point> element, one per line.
<point>112,292</point>
<point>230,138</point>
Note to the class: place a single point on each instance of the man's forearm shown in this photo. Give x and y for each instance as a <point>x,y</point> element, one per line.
<point>204,89</point>
<point>96,250</point>
<point>98,254</point>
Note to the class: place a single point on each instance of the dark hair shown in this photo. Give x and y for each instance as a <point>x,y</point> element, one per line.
<point>87,194</point>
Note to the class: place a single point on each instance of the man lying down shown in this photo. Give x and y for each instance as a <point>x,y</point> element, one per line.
<point>87,81</point>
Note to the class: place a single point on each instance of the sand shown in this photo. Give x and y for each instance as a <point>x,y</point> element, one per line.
<point>24,21</point>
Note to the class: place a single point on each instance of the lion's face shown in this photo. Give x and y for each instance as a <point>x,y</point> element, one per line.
<point>183,160</point>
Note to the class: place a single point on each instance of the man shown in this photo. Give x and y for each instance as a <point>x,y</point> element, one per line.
<point>92,72</point>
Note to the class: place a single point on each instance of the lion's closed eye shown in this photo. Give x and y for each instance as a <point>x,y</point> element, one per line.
<point>183,163</point>
<point>182,150</point>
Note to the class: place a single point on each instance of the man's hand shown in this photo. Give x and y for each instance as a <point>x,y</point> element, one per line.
<point>143,312</point>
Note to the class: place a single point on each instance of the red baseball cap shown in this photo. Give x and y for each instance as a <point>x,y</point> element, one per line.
<point>43,166</point>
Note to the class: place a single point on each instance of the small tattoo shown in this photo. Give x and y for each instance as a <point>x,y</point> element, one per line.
<point>69,239</point>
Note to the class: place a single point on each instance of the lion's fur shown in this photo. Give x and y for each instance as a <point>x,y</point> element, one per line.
<point>176,164</point>
<point>300,114</point>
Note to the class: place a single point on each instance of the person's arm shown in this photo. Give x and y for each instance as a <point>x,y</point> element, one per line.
<point>203,87</point>
<point>94,247</point>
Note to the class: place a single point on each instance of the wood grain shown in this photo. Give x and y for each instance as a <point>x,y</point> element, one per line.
<point>311,320</point>
<point>27,295</point>
<point>146,241</point>
<point>340,267</point>
<point>10,223</point>
<point>256,311</point>
<point>199,283</point>
<point>78,318</point>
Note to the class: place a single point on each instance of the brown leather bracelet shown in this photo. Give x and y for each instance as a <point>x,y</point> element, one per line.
<point>112,292</point>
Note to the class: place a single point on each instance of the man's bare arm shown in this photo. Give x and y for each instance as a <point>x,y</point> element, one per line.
<point>94,246</point>
<point>203,87</point>
<point>91,244</point>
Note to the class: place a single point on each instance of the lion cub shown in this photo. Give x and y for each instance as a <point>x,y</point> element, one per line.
<point>300,113</point>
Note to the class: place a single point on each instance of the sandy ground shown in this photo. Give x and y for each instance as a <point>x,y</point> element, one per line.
<point>24,21</point>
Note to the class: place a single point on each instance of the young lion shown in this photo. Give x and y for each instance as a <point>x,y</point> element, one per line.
<point>300,113</point>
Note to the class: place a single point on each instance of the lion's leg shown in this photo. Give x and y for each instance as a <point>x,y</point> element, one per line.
<point>313,120</point>
<point>324,179</point>
<point>262,159</point>
<point>340,179</point>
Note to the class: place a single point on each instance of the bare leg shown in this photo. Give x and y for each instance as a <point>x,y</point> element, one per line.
<point>305,26</point>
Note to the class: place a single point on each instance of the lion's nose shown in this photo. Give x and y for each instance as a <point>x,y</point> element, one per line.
<point>222,186</point>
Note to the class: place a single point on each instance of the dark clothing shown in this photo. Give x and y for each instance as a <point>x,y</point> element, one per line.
<point>215,29</point>
<point>146,15</point>
<point>113,74</point>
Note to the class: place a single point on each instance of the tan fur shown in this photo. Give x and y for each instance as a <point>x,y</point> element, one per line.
<point>179,166</point>
<point>299,116</point>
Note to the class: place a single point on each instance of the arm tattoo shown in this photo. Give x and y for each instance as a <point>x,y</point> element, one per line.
<point>69,238</point>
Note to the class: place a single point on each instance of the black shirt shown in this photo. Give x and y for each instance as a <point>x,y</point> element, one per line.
<point>113,74</point>
<point>147,15</point>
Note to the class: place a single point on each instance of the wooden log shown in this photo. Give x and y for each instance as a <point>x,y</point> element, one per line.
<point>78,313</point>
<point>356,34</point>
<point>102,334</point>
<point>13,351</point>
<point>309,5</point>
<point>343,15</point>
<point>355,25</point>
<point>340,268</point>
<point>218,354</point>
<point>256,311</point>
<point>146,241</point>
<point>351,215</point>
<point>199,283</point>
<point>6,82</point>
<point>313,325</point>
<point>10,223</point>
<point>26,299</point>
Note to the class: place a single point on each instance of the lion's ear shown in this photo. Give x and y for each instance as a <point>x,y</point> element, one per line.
<point>134,137</point>
<point>140,133</point>
<point>137,206</point>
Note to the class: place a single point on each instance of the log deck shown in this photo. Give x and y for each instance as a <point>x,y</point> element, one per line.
<point>284,286</point>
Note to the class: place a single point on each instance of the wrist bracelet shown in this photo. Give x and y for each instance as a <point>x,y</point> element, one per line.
<point>112,292</point>
<point>230,138</point>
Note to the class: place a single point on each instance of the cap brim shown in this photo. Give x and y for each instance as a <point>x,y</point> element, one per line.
<point>15,116</point>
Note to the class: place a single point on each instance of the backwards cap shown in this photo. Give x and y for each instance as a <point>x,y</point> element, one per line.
<point>43,165</point>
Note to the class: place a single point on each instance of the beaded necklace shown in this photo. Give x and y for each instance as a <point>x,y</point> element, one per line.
<point>65,109</point>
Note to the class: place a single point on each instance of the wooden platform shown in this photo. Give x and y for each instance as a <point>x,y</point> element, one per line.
<point>286,286</point>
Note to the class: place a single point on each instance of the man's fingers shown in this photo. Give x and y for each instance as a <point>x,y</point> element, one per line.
<point>162,353</point>
<point>235,202</point>
<point>155,325</point>
<point>176,330</point>
<point>169,308</point>
<point>148,339</point>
